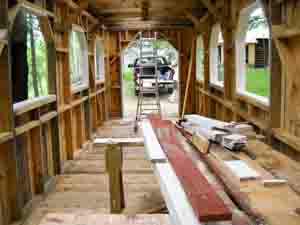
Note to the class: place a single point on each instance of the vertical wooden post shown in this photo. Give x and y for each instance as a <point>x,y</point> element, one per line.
<point>35,141</point>
<point>276,78</point>
<point>56,146</point>
<point>114,162</point>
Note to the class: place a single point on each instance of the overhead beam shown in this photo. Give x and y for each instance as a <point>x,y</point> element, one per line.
<point>145,26</point>
<point>198,22</point>
<point>284,32</point>
<point>192,18</point>
<point>79,8</point>
<point>145,10</point>
<point>211,8</point>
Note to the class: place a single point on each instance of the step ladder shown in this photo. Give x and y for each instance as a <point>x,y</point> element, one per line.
<point>148,80</point>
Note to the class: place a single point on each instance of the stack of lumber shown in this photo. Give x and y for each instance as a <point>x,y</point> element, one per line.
<point>267,198</point>
<point>206,203</point>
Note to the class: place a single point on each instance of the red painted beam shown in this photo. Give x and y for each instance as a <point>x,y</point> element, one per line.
<point>205,201</point>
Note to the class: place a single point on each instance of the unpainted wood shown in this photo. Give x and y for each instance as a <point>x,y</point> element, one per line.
<point>114,163</point>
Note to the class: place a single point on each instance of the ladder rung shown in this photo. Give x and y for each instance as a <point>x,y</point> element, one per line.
<point>143,109</point>
<point>150,104</point>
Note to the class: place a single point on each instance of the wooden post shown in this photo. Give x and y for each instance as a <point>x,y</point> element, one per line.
<point>187,85</point>
<point>114,161</point>
<point>276,78</point>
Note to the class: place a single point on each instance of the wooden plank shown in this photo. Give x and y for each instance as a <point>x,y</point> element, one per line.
<point>171,188</point>
<point>284,32</point>
<point>188,78</point>
<point>49,152</point>
<point>31,104</point>
<point>211,8</point>
<point>207,205</point>
<point>126,142</point>
<point>35,8</point>
<point>273,182</point>
<point>287,138</point>
<point>35,141</point>
<point>76,7</point>
<point>114,162</point>
<point>155,152</point>
<point>27,127</point>
<point>201,143</point>
<point>107,219</point>
<point>5,136</point>
<point>48,116</point>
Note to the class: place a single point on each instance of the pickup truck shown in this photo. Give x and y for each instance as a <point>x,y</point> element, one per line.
<point>166,72</point>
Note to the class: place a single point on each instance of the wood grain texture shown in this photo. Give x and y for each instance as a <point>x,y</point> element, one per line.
<point>207,205</point>
<point>101,219</point>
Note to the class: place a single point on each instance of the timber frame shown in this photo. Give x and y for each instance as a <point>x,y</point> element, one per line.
<point>38,136</point>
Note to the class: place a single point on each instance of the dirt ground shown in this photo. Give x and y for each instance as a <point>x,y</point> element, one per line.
<point>169,106</point>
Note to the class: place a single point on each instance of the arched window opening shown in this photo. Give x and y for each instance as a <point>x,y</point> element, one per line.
<point>29,58</point>
<point>99,60</point>
<point>151,51</point>
<point>78,57</point>
<point>217,56</point>
<point>252,53</point>
<point>200,59</point>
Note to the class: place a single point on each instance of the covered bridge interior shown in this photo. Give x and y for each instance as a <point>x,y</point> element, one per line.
<point>68,157</point>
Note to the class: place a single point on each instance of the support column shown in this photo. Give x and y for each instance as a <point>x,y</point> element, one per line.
<point>114,164</point>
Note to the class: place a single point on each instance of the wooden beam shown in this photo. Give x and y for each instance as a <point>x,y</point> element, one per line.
<point>114,162</point>
<point>206,203</point>
<point>126,142</point>
<point>284,32</point>
<point>31,104</point>
<point>287,138</point>
<point>146,26</point>
<point>211,8</point>
<point>35,8</point>
<point>192,18</point>
<point>188,78</point>
<point>155,153</point>
<point>80,9</point>
<point>145,9</point>
<point>198,22</point>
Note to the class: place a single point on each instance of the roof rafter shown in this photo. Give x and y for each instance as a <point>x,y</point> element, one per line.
<point>198,22</point>
<point>212,9</point>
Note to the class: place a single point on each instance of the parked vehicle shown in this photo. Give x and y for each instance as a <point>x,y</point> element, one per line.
<point>166,72</point>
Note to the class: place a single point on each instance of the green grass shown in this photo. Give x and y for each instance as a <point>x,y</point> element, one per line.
<point>258,81</point>
<point>128,82</point>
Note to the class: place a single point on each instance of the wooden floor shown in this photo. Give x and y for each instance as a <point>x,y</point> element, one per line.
<point>83,186</point>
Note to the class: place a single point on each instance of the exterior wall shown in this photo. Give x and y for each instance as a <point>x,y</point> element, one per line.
<point>251,54</point>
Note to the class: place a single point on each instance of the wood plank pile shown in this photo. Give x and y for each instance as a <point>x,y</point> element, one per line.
<point>206,203</point>
<point>266,198</point>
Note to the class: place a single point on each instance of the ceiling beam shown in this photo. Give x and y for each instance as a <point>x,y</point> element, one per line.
<point>198,22</point>
<point>212,9</point>
<point>72,5</point>
<point>148,24</point>
<point>145,10</point>
<point>192,18</point>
